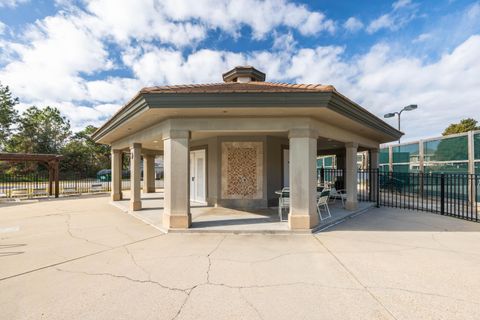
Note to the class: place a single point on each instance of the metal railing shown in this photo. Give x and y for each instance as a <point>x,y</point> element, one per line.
<point>455,194</point>
<point>27,186</point>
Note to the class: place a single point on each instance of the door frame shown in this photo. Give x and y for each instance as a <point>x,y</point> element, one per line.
<point>283,147</point>
<point>197,148</point>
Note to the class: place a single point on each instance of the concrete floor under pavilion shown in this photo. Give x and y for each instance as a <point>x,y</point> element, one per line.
<point>210,219</point>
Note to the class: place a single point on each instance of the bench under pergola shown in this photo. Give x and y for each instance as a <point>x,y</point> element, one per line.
<point>51,161</point>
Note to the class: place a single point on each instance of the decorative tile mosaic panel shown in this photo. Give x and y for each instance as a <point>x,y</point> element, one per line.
<point>242,170</point>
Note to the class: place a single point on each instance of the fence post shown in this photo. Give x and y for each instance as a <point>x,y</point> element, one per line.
<point>442,194</point>
<point>377,186</point>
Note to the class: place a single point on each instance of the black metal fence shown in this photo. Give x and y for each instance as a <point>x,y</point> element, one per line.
<point>38,185</point>
<point>453,194</point>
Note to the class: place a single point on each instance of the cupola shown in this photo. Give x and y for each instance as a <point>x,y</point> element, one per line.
<point>243,74</point>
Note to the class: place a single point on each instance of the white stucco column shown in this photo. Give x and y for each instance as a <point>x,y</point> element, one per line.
<point>176,165</point>
<point>116,174</point>
<point>351,175</point>
<point>135,158</point>
<point>303,179</point>
<point>148,173</point>
<point>373,154</point>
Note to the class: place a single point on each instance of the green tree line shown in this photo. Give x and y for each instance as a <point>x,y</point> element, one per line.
<point>46,130</point>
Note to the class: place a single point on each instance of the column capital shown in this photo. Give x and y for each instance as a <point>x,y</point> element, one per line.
<point>135,146</point>
<point>351,145</point>
<point>117,151</point>
<point>303,133</point>
<point>176,134</point>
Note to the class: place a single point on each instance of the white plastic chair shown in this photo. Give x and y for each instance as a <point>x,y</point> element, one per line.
<point>283,202</point>
<point>335,194</point>
<point>323,202</point>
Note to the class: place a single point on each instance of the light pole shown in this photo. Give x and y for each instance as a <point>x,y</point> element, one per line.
<point>392,114</point>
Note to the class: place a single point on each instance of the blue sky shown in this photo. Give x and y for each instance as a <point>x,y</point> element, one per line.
<point>88,57</point>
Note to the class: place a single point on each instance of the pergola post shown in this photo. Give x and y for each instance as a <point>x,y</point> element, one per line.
<point>149,173</point>
<point>116,175</point>
<point>56,177</point>
<point>303,179</point>
<point>351,175</point>
<point>50,178</point>
<point>135,158</point>
<point>177,194</point>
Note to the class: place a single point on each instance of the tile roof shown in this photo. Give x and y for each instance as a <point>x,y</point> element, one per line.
<point>231,87</point>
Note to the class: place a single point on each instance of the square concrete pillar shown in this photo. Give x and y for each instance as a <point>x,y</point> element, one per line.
<point>116,175</point>
<point>303,179</point>
<point>351,175</point>
<point>135,158</point>
<point>176,179</point>
<point>149,173</point>
<point>374,157</point>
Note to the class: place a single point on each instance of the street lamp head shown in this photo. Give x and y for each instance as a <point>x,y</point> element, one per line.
<point>389,115</point>
<point>410,107</point>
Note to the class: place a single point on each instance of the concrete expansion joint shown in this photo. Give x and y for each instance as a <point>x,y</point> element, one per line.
<point>355,278</point>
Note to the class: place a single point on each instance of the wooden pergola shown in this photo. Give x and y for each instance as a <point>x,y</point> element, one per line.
<point>50,160</point>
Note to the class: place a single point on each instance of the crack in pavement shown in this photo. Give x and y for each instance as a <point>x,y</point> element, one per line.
<point>77,258</point>
<point>123,277</point>
<point>132,257</point>
<point>210,259</point>
<point>69,231</point>
<point>250,304</point>
<point>356,279</point>
<point>201,284</point>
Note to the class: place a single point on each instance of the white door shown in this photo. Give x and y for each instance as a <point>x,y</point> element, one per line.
<point>197,176</point>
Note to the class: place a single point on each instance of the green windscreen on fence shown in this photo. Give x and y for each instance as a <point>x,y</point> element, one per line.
<point>446,167</point>
<point>407,153</point>
<point>476,144</point>
<point>383,156</point>
<point>446,149</point>
<point>403,168</point>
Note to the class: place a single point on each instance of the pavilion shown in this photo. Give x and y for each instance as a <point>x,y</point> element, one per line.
<point>232,144</point>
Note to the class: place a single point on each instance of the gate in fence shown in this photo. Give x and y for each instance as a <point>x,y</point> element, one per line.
<point>454,194</point>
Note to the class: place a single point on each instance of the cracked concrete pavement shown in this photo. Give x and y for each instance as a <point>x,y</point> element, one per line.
<point>82,258</point>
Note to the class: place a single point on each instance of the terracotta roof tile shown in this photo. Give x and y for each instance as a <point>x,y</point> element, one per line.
<point>232,87</point>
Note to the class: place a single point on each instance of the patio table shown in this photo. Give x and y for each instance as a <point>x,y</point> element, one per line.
<point>287,193</point>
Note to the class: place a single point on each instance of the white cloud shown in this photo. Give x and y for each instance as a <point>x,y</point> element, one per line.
<point>383,22</point>
<point>49,65</point>
<point>353,24</point>
<point>11,3</point>
<point>3,26</point>
<point>422,37</point>
<point>261,16</point>
<point>52,62</point>
<point>403,11</point>
<point>401,4</point>
<point>474,11</point>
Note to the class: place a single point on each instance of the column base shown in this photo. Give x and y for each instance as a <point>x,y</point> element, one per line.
<point>135,205</point>
<point>302,222</point>
<point>177,221</point>
<point>117,196</point>
<point>149,190</point>
<point>351,205</point>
